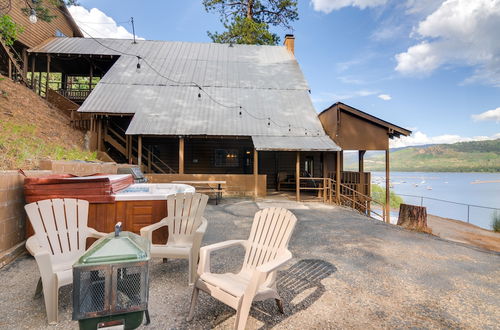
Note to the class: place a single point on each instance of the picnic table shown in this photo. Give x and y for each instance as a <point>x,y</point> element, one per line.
<point>206,187</point>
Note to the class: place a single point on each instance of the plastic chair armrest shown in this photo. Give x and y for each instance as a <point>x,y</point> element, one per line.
<point>91,232</point>
<point>204,265</point>
<point>147,231</point>
<point>275,264</point>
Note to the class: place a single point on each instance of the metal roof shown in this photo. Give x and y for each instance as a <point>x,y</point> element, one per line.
<point>265,81</point>
<point>294,143</point>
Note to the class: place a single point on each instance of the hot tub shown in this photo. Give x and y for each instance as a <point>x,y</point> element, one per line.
<point>112,198</point>
<point>151,191</point>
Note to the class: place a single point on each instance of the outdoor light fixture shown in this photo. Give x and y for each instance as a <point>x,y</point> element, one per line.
<point>33,18</point>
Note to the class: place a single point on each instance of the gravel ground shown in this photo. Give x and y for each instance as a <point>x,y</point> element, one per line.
<point>348,272</point>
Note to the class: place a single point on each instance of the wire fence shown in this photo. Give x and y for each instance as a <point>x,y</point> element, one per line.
<point>478,215</point>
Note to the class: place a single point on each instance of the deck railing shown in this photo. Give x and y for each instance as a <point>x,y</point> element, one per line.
<point>348,196</point>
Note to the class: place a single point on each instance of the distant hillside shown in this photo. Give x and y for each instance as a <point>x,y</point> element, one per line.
<point>475,156</point>
<point>31,129</point>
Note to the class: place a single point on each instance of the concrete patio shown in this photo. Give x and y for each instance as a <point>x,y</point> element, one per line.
<point>348,272</point>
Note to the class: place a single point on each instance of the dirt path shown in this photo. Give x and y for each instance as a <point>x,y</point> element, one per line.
<point>459,231</point>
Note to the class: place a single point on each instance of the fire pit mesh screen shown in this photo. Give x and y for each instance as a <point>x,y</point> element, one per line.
<point>129,295</point>
<point>92,291</point>
<point>110,289</point>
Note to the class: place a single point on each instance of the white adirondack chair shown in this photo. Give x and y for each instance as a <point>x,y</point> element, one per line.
<point>61,232</point>
<point>266,251</point>
<point>186,227</point>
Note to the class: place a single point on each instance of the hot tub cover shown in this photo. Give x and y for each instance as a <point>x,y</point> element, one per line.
<point>96,188</point>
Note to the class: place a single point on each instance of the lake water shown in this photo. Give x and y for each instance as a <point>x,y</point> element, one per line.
<point>477,189</point>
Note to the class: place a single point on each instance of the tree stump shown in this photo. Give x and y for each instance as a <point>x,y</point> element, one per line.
<point>413,217</point>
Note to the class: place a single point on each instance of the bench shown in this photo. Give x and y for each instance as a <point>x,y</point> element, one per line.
<point>207,187</point>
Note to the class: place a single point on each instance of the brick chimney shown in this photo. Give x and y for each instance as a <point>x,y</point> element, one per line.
<point>289,43</point>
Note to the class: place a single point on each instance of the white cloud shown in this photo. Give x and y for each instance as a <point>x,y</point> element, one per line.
<point>488,115</point>
<point>95,23</point>
<point>327,6</point>
<point>419,138</point>
<point>459,32</point>
<point>385,97</point>
<point>334,97</point>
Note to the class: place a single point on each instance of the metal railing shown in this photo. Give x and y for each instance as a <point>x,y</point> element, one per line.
<point>455,214</point>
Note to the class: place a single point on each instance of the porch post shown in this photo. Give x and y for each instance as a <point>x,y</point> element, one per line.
<point>139,150</point>
<point>33,72</point>
<point>181,155</point>
<point>91,76</point>
<point>337,178</point>
<point>99,134</point>
<point>256,172</point>
<point>47,79</point>
<point>387,188</point>
<point>361,170</point>
<point>297,176</point>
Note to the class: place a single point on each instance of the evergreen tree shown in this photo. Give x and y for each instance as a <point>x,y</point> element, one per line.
<point>248,21</point>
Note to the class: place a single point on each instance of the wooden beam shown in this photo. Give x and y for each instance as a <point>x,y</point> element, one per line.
<point>33,61</point>
<point>387,189</point>
<point>47,79</point>
<point>25,65</point>
<point>361,156</point>
<point>139,150</point>
<point>256,172</point>
<point>91,76</point>
<point>361,170</point>
<point>297,177</point>
<point>181,155</point>
<point>99,134</point>
<point>337,178</point>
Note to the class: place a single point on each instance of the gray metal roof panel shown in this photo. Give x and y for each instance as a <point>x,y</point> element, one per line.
<point>295,143</point>
<point>265,81</point>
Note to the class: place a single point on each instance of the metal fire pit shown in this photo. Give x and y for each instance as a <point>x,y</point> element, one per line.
<point>111,282</point>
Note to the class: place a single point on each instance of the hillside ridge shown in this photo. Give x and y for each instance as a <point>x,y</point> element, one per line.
<point>31,129</point>
<point>473,156</point>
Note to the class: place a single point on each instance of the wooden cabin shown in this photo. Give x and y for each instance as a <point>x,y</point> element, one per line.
<point>353,129</point>
<point>14,59</point>
<point>204,111</point>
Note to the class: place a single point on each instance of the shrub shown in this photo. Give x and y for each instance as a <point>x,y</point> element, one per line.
<point>495,223</point>
<point>378,195</point>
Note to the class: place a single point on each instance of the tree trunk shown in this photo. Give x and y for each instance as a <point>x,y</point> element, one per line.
<point>250,9</point>
<point>413,217</point>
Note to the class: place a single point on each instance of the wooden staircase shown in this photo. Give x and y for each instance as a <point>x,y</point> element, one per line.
<point>16,72</point>
<point>124,145</point>
<point>77,119</point>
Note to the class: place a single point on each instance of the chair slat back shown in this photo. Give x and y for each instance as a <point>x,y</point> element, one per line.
<point>59,224</point>
<point>185,210</point>
<point>270,234</point>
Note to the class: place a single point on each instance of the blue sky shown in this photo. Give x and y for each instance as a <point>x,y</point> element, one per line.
<point>432,66</point>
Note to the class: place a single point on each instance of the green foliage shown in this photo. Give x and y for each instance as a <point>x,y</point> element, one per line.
<point>248,21</point>
<point>245,31</point>
<point>9,30</point>
<point>495,222</point>
<point>43,8</point>
<point>378,195</point>
<point>21,148</point>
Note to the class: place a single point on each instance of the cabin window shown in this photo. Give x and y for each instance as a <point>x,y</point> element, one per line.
<point>60,34</point>
<point>226,158</point>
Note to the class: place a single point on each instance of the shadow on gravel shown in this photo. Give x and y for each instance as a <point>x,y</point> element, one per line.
<point>299,286</point>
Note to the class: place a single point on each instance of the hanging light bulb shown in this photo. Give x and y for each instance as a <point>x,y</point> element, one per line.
<point>33,18</point>
<point>199,92</point>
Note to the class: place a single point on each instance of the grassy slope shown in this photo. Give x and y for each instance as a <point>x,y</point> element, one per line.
<point>476,156</point>
<point>30,130</point>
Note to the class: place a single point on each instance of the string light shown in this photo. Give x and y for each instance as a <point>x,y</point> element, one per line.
<point>191,83</point>
<point>138,62</point>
